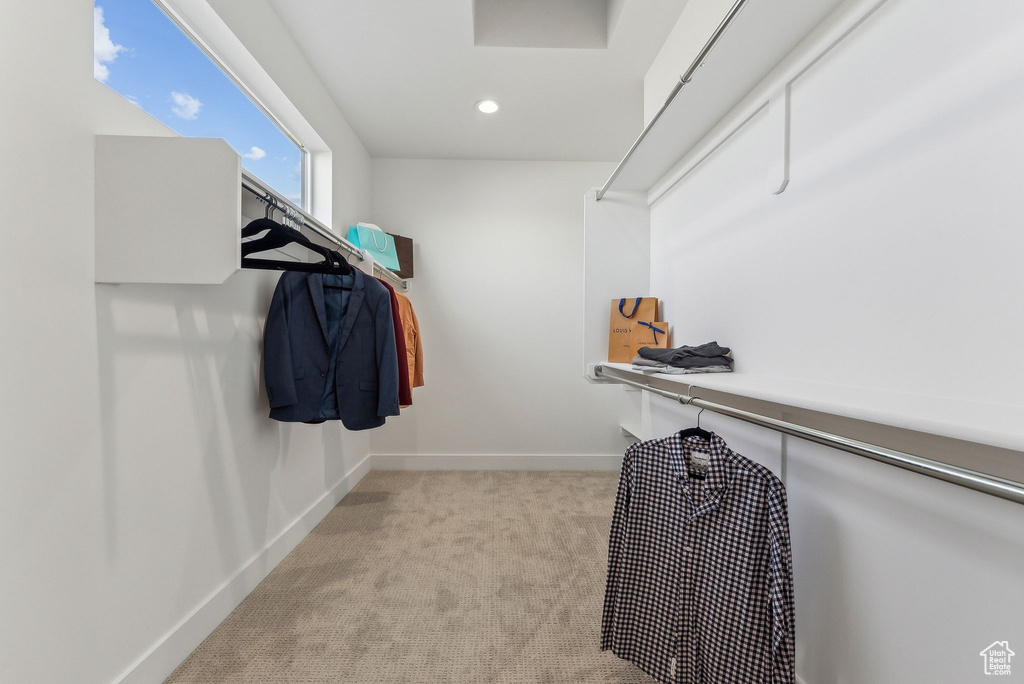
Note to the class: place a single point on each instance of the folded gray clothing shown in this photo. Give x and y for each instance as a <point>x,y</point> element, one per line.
<point>641,361</point>
<point>672,370</point>
<point>701,356</point>
<point>716,361</point>
<point>696,362</point>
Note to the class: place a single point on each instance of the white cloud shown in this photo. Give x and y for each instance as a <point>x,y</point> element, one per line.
<point>185,106</point>
<point>255,153</point>
<point>104,50</point>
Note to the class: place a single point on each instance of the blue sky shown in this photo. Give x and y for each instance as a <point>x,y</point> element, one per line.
<point>142,55</point>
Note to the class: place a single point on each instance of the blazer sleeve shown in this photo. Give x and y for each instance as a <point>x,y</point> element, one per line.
<point>401,353</point>
<point>417,374</point>
<point>387,359</point>
<point>277,352</point>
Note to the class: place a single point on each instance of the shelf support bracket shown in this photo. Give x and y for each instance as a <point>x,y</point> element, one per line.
<point>779,116</point>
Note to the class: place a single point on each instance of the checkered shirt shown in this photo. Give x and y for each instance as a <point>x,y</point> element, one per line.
<point>700,583</point>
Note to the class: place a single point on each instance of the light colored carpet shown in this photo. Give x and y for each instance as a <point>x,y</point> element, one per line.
<point>459,577</point>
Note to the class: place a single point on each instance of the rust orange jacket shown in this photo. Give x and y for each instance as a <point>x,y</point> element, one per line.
<point>413,341</point>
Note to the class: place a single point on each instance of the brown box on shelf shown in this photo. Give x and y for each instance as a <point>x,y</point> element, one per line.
<point>403,246</point>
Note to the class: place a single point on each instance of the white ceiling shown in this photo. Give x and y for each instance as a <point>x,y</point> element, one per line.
<point>406,74</point>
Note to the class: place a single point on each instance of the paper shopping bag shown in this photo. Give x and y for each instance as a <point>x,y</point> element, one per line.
<point>624,313</point>
<point>379,244</point>
<point>647,334</point>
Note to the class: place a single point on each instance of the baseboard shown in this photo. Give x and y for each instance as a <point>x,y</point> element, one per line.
<point>170,651</point>
<point>496,461</point>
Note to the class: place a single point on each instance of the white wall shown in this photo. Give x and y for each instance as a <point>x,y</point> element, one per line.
<point>891,262</point>
<point>138,470</point>
<point>617,263</point>
<point>498,291</point>
<point>897,241</point>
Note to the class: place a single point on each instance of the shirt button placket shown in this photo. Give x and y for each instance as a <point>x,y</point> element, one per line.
<point>684,596</point>
<point>691,617</point>
<point>687,641</point>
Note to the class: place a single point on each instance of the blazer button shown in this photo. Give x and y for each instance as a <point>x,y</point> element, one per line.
<point>322,374</point>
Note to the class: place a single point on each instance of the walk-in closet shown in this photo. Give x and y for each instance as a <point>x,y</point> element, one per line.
<point>512,342</point>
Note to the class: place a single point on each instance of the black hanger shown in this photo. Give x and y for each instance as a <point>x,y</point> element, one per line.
<point>347,266</point>
<point>696,431</point>
<point>279,235</point>
<point>324,267</point>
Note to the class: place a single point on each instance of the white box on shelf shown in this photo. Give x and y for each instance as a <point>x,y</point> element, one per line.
<point>168,210</point>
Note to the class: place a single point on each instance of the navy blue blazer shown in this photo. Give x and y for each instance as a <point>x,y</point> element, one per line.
<point>296,352</point>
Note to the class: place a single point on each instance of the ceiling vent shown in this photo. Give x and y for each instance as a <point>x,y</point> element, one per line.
<point>544,23</point>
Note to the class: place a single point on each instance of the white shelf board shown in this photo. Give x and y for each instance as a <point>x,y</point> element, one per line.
<point>759,38</point>
<point>1000,425</point>
<point>633,429</point>
<point>167,210</point>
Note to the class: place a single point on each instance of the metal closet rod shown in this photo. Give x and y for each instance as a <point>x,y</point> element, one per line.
<point>262,192</point>
<point>683,80</point>
<point>972,479</point>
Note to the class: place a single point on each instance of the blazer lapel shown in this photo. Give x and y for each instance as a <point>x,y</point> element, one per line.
<point>316,291</point>
<point>355,300</point>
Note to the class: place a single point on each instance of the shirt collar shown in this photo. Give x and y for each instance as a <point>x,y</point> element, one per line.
<point>719,475</point>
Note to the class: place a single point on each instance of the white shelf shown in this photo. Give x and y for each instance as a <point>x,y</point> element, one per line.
<point>1000,425</point>
<point>167,210</point>
<point>632,430</point>
<point>758,39</point>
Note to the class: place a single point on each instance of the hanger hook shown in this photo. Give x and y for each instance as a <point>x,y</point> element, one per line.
<point>698,416</point>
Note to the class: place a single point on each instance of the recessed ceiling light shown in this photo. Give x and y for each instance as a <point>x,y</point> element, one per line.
<point>488,106</point>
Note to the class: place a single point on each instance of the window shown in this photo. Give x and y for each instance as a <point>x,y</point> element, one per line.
<point>143,55</point>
